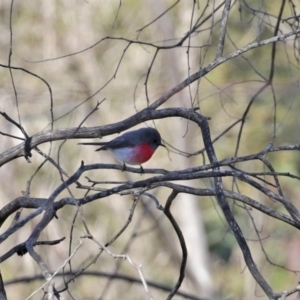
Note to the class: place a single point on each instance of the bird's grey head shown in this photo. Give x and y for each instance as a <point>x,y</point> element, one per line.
<point>151,136</point>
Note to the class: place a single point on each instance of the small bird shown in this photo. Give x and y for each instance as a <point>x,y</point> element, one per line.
<point>133,147</point>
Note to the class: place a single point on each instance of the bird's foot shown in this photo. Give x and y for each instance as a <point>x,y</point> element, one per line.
<point>142,170</point>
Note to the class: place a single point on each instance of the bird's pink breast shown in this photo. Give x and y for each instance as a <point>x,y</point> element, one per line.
<point>134,156</point>
<point>142,153</point>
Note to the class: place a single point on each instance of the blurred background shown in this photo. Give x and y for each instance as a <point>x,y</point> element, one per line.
<point>81,49</point>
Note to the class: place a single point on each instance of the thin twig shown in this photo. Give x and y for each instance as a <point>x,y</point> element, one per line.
<point>181,241</point>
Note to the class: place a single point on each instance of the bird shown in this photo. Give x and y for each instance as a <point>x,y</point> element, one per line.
<point>133,147</point>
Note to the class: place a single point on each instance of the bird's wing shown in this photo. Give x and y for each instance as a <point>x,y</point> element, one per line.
<point>123,141</point>
<point>120,142</point>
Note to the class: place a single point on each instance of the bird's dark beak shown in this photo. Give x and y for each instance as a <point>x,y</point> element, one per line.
<point>162,145</point>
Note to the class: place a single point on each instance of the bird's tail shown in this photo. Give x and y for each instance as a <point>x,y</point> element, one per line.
<point>96,144</point>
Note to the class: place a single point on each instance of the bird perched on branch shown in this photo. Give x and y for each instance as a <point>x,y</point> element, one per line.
<point>133,147</point>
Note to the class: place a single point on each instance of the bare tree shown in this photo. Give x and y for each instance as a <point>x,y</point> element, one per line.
<point>216,215</point>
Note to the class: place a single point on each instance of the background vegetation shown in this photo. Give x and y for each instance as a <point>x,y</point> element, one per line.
<point>233,62</point>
